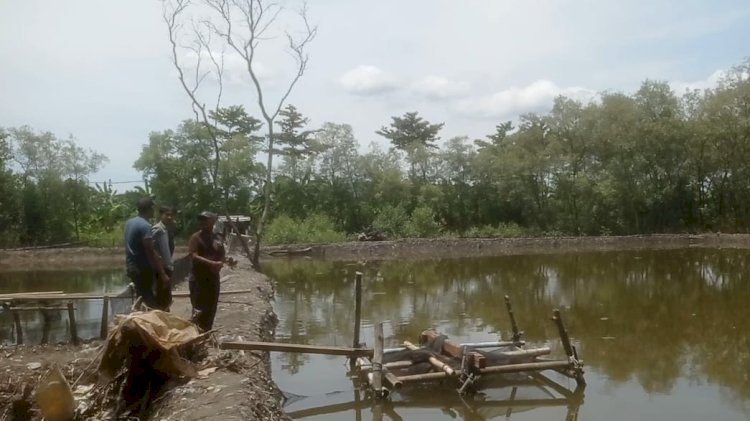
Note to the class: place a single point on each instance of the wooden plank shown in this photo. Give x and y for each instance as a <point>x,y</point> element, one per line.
<point>37,308</point>
<point>13,295</point>
<point>87,296</point>
<point>298,348</point>
<point>434,361</point>
<point>449,347</point>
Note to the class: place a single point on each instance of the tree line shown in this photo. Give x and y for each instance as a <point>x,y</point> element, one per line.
<point>649,162</point>
<point>654,161</point>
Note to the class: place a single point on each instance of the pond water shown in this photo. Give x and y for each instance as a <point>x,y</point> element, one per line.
<point>663,334</point>
<point>88,312</point>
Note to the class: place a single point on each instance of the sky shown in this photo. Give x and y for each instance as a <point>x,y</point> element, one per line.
<point>101,70</point>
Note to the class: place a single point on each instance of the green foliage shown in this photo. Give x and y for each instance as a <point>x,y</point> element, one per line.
<point>422,224</point>
<point>313,229</point>
<point>392,221</point>
<point>510,230</point>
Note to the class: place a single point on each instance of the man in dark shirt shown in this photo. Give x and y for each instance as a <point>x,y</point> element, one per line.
<point>141,262</point>
<point>206,249</point>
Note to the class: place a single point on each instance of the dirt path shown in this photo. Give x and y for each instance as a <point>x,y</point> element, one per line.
<point>241,388</point>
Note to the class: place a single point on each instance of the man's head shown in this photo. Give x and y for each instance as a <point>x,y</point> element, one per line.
<point>166,215</point>
<point>145,206</point>
<point>206,220</point>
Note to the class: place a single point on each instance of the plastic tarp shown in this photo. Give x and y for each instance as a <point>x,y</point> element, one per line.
<point>156,333</point>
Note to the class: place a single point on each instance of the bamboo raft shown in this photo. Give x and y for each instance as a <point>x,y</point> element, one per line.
<point>437,358</point>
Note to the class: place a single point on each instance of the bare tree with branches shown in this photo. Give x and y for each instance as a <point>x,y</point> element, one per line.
<point>242,27</point>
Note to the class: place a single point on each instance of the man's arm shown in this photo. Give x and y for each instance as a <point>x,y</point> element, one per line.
<point>153,258</point>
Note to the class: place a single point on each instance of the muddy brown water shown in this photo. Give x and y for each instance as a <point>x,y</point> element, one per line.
<point>664,334</point>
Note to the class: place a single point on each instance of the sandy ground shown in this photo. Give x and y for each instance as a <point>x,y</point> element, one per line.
<point>240,388</point>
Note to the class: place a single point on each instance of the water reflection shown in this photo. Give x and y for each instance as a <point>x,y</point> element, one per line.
<point>670,321</point>
<point>88,312</point>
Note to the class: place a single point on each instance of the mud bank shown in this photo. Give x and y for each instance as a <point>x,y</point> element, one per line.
<point>237,385</point>
<point>464,247</point>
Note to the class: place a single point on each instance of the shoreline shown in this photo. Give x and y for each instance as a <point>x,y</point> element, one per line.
<point>108,258</point>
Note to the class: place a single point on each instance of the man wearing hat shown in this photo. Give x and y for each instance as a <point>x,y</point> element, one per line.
<point>206,249</point>
<point>141,261</point>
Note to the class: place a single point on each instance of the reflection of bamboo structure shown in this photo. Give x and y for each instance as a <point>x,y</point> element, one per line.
<point>463,407</point>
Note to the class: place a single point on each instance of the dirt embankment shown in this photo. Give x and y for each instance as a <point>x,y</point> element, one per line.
<point>465,247</point>
<point>240,388</point>
<point>90,258</point>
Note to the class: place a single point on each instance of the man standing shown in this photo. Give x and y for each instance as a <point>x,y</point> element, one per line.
<point>206,249</point>
<point>141,262</point>
<point>162,234</point>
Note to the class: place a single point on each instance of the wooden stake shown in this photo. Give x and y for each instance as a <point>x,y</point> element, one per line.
<point>19,330</point>
<point>516,333</point>
<point>377,361</point>
<point>72,320</point>
<point>557,318</point>
<point>105,318</point>
<point>357,309</point>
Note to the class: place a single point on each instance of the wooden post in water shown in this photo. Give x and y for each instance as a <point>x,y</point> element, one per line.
<point>357,308</point>
<point>516,332</point>
<point>19,330</point>
<point>357,313</point>
<point>105,317</point>
<point>570,350</point>
<point>377,361</point>
<point>72,320</point>
<point>564,338</point>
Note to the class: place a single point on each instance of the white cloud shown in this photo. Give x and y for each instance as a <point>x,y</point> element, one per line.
<point>509,103</point>
<point>367,80</point>
<point>710,82</point>
<point>437,87</point>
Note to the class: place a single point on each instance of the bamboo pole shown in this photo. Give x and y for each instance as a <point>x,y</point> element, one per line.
<point>357,312</point>
<point>434,361</point>
<point>72,320</point>
<point>367,366</point>
<point>377,361</point>
<point>423,377</point>
<point>492,344</point>
<point>564,338</point>
<point>19,330</point>
<point>575,368</point>
<point>516,333</point>
<point>515,368</point>
<point>532,352</point>
<point>105,318</point>
<point>303,349</point>
<point>37,308</point>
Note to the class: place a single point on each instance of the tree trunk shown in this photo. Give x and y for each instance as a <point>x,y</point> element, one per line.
<point>267,193</point>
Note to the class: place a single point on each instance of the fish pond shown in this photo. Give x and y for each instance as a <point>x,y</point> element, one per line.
<point>664,334</point>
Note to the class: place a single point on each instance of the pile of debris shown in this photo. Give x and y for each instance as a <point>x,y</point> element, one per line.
<point>144,353</point>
